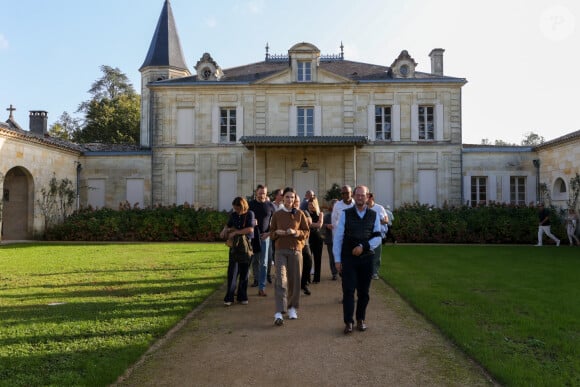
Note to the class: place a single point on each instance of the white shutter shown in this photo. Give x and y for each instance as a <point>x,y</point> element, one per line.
<point>215,124</point>
<point>505,189</point>
<point>439,122</point>
<point>491,189</point>
<point>239,122</point>
<point>371,122</point>
<point>292,119</point>
<point>531,189</point>
<point>184,187</point>
<point>317,120</point>
<point>414,122</point>
<point>467,190</point>
<point>396,122</point>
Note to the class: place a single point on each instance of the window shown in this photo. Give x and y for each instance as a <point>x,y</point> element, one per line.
<point>185,125</point>
<point>427,179</point>
<point>383,123</point>
<point>304,72</point>
<point>518,190</point>
<point>184,187</point>
<point>305,121</point>
<point>478,190</point>
<point>426,123</point>
<point>135,192</point>
<point>228,125</point>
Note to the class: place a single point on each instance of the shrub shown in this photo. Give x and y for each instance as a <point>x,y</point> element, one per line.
<point>495,223</point>
<point>414,223</point>
<point>175,223</point>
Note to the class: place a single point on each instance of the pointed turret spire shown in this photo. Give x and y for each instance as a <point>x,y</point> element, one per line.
<point>165,49</point>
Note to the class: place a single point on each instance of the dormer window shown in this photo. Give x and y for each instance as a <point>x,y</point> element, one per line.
<point>208,69</point>
<point>404,66</point>
<point>304,71</point>
<point>304,59</point>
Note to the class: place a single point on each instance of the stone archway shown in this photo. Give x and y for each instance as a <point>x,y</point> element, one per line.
<point>17,207</point>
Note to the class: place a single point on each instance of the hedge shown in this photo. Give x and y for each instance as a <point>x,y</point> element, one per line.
<point>414,223</point>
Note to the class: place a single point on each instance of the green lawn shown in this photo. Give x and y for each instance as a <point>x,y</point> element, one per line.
<point>75,314</point>
<point>514,309</point>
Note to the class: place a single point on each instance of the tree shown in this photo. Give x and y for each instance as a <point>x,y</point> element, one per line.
<point>112,121</point>
<point>485,141</point>
<point>532,139</point>
<point>333,193</point>
<point>112,84</point>
<point>502,143</point>
<point>65,127</point>
<point>112,115</point>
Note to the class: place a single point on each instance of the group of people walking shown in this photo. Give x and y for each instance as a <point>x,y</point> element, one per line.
<point>294,232</point>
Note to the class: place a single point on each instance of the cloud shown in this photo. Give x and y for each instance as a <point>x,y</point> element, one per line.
<point>3,42</point>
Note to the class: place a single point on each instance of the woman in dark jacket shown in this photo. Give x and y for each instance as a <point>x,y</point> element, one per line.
<point>241,222</point>
<point>315,239</point>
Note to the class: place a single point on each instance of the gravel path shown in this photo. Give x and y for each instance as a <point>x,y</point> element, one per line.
<point>240,346</point>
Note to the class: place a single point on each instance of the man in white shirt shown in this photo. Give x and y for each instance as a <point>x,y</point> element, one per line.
<point>341,205</point>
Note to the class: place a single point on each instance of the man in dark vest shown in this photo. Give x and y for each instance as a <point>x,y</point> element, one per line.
<point>357,235</point>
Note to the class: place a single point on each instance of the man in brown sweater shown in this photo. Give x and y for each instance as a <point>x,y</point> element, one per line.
<point>289,230</point>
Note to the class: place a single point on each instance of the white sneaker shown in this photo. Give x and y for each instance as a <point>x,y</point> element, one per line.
<point>292,315</point>
<point>558,243</point>
<point>278,319</point>
<point>227,303</point>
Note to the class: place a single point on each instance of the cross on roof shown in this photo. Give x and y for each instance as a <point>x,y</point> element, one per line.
<point>11,109</point>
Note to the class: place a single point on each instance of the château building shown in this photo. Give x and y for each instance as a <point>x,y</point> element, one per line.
<point>302,118</point>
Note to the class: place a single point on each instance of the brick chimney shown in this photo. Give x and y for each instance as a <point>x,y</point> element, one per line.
<point>437,61</point>
<point>38,122</point>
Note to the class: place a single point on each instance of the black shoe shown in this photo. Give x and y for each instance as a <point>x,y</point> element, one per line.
<point>254,284</point>
<point>348,329</point>
<point>306,290</point>
<point>361,326</point>
<point>269,279</point>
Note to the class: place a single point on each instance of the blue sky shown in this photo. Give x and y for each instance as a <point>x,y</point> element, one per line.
<point>521,58</point>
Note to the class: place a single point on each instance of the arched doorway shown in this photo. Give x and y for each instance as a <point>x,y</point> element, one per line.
<point>17,208</point>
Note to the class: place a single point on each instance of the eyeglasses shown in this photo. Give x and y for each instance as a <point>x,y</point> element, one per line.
<point>345,193</point>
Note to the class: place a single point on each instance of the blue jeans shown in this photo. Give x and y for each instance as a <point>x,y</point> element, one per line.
<point>263,263</point>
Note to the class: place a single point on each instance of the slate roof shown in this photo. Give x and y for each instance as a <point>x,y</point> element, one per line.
<point>475,148</point>
<point>7,130</point>
<point>250,141</point>
<point>353,71</point>
<point>165,49</point>
<point>12,129</point>
<point>560,140</point>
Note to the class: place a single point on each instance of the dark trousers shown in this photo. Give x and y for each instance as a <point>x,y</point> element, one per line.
<point>237,277</point>
<point>390,235</point>
<point>316,248</point>
<point>331,259</point>
<point>306,266</point>
<point>357,273</point>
